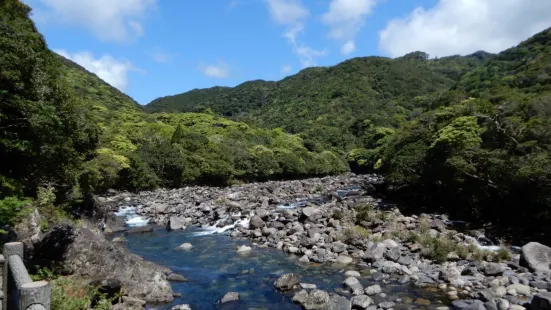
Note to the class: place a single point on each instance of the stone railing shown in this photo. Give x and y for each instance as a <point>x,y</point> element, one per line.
<point>16,284</point>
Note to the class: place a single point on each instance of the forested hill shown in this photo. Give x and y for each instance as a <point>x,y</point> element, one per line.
<point>93,89</point>
<point>328,104</point>
<point>66,135</point>
<point>485,152</point>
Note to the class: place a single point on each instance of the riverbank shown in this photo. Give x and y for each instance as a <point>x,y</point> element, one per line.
<point>335,220</point>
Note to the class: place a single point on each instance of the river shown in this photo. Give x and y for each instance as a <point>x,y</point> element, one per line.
<point>214,267</point>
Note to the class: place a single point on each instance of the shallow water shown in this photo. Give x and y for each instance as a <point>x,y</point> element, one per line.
<point>214,268</point>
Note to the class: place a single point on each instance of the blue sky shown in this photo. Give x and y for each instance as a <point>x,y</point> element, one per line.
<point>154,48</point>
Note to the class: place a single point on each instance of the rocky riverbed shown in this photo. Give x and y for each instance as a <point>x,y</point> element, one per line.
<point>334,220</point>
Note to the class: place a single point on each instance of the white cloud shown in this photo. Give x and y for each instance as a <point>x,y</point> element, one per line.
<point>287,12</point>
<point>219,71</point>
<point>292,14</point>
<point>345,18</point>
<point>107,68</point>
<point>285,69</point>
<point>465,26</point>
<point>348,47</point>
<point>109,20</point>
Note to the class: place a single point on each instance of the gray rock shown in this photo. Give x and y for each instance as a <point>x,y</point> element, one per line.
<point>361,301</point>
<point>353,285</point>
<point>243,249</point>
<point>540,284</point>
<point>185,247</point>
<point>287,281</point>
<point>175,277</point>
<point>520,289</point>
<point>375,253</point>
<point>256,222</point>
<point>352,273</point>
<point>390,244</point>
<point>304,259</point>
<point>181,307</point>
<point>536,256</point>
<point>502,304</point>
<point>310,213</point>
<point>176,223</point>
<point>297,229</point>
<point>339,303</point>
<point>405,260</point>
<point>80,251</point>
<point>378,276</point>
<point>317,299</point>
<point>493,269</point>
<point>307,286</point>
<point>301,297</point>
<point>468,305</point>
<point>338,247</point>
<point>387,305</point>
<point>373,290</point>
<point>266,232</point>
<point>139,230</point>
<point>541,301</point>
<point>344,259</point>
<point>392,254</point>
<point>231,296</point>
<point>490,305</point>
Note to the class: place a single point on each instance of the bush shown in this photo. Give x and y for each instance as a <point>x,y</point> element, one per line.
<point>12,209</point>
<point>355,232</point>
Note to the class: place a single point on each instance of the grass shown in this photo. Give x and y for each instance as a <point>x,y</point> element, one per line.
<point>72,292</point>
<point>355,232</point>
<point>338,215</point>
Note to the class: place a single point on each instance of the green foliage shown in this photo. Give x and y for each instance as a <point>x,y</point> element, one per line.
<point>12,209</point>
<point>484,152</point>
<point>44,130</point>
<point>355,232</point>
<point>333,106</point>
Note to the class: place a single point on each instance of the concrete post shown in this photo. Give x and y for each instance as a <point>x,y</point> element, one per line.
<point>35,293</point>
<point>3,283</point>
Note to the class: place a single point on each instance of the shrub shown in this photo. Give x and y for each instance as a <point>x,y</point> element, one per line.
<point>364,213</point>
<point>12,209</point>
<point>337,215</point>
<point>355,232</point>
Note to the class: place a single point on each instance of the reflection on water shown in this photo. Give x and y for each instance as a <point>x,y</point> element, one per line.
<point>214,268</point>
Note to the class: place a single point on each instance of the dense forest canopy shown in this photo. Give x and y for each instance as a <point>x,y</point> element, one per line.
<point>469,135</point>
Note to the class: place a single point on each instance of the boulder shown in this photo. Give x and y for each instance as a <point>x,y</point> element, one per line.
<point>338,247</point>
<point>373,290</point>
<point>85,253</point>
<point>338,302</point>
<point>287,281</point>
<point>493,269</point>
<point>520,289</point>
<point>139,230</point>
<point>375,252</point>
<point>176,223</point>
<point>243,249</point>
<point>361,301</point>
<point>316,299</point>
<point>231,296</point>
<point>175,277</point>
<point>536,256</point>
<point>256,222</point>
<point>344,260</point>
<point>185,247</point>
<point>310,213</point>
<point>352,273</point>
<point>181,307</point>
<point>353,285</point>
